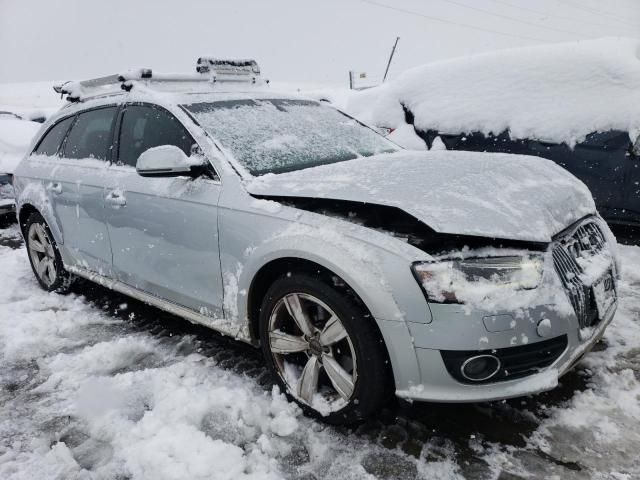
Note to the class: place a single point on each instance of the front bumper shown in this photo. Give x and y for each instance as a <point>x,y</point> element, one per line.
<point>437,385</point>
<point>579,277</point>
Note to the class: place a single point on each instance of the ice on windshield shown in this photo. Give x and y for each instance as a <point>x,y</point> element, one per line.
<point>276,135</point>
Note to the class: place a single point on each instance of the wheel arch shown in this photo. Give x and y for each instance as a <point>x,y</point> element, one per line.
<point>23,215</point>
<point>278,267</point>
<point>31,195</point>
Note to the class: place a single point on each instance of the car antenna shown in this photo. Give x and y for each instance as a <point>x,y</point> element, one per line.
<point>393,51</point>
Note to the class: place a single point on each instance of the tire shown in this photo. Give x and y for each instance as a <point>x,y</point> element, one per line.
<point>41,247</point>
<point>364,383</point>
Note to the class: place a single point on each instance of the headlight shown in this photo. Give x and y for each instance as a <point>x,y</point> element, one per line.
<point>450,281</point>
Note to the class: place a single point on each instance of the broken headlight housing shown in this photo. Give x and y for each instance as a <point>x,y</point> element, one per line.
<point>447,281</point>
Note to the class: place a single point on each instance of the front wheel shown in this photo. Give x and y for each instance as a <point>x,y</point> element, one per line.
<point>44,256</point>
<point>323,349</point>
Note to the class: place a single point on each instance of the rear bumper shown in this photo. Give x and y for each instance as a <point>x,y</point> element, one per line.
<point>437,384</point>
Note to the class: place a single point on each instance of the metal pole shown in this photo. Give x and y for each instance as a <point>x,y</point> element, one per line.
<point>393,50</point>
<point>350,80</point>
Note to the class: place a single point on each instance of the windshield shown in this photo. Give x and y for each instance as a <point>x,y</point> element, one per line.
<point>276,135</point>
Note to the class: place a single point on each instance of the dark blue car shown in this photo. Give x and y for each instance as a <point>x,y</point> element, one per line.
<point>607,162</point>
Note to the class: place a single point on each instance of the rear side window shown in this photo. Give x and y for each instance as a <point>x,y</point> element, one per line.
<point>144,127</point>
<point>90,136</point>
<point>50,143</point>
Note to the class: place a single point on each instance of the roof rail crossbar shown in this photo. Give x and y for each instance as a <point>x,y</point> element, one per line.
<point>229,70</point>
<point>208,69</point>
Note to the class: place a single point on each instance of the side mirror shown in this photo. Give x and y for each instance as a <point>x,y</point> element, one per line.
<point>169,161</point>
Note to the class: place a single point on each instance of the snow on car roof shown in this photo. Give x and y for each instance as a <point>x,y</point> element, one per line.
<point>172,93</point>
<point>557,93</point>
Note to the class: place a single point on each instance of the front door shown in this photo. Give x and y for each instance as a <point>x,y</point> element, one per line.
<point>164,231</point>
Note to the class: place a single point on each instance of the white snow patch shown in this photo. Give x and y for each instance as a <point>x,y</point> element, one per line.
<point>266,205</point>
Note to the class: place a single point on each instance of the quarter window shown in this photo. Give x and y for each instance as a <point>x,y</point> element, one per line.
<point>144,127</point>
<point>50,144</point>
<point>90,136</point>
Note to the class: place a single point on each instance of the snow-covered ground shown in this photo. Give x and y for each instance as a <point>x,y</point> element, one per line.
<point>94,385</point>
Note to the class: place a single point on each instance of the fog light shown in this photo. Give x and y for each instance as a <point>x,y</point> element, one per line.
<point>480,368</point>
<point>544,327</point>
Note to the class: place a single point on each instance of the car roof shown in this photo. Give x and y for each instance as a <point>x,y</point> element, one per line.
<point>215,80</point>
<point>171,98</point>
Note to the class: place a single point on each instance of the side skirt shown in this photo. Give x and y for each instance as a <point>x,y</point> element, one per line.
<point>219,325</point>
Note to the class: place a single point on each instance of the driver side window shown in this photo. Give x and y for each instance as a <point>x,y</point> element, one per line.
<point>144,127</point>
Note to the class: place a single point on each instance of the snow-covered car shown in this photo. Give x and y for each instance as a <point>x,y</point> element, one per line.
<point>33,116</point>
<point>15,136</point>
<point>7,114</point>
<point>574,103</point>
<point>361,269</point>
<point>7,203</point>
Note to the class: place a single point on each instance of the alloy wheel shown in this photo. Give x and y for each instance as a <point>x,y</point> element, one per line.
<point>42,254</point>
<point>312,351</point>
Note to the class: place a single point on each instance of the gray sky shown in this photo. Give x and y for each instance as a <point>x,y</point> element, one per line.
<point>297,40</point>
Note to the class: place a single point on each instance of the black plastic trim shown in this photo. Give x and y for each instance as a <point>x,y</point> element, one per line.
<point>515,362</point>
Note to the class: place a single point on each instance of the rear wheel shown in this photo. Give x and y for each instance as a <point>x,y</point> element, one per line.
<point>323,350</point>
<point>44,256</point>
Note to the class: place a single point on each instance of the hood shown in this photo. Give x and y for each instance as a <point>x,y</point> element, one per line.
<point>504,196</point>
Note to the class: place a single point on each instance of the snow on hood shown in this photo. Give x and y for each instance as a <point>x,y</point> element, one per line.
<point>557,93</point>
<point>484,194</point>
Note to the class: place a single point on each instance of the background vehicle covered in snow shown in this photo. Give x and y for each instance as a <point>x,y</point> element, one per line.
<point>574,103</point>
<point>15,135</point>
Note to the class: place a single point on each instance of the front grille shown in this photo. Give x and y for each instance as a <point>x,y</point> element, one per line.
<point>515,362</point>
<point>584,241</point>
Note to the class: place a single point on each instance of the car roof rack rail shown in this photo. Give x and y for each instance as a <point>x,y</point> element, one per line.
<point>208,69</point>
<point>229,70</point>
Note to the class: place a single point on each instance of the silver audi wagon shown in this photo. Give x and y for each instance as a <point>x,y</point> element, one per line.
<point>361,270</point>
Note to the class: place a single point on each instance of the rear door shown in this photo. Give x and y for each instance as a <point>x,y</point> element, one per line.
<point>35,173</point>
<point>164,231</point>
<point>76,189</point>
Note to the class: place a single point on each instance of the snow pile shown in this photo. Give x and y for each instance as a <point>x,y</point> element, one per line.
<point>85,395</point>
<point>15,137</point>
<point>555,93</point>
<point>150,410</point>
<point>605,417</point>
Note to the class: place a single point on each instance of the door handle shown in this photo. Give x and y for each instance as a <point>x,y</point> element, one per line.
<point>55,188</point>
<point>116,199</point>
